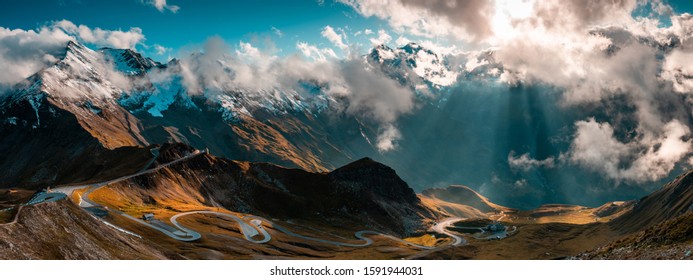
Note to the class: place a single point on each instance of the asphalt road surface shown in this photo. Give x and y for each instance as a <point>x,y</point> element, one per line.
<point>248,229</point>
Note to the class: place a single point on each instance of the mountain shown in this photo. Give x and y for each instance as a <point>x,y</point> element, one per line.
<point>68,123</point>
<point>656,226</point>
<point>413,65</point>
<point>460,201</point>
<point>672,200</point>
<point>329,206</point>
<point>364,193</point>
<point>105,100</point>
<point>124,138</point>
<point>63,231</point>
<point>83,87</point>
<point>671,239</point>
<point>74,110</point>
<point>129,62</point>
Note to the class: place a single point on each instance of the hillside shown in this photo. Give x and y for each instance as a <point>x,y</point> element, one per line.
<point>669,240</point>
<point>672,200</point>
<point>463,195</point>
<point>365,193</point>
<point>63,231</point>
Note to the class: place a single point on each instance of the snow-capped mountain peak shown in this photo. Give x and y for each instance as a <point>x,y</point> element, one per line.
<point>413,58</point>
<point>81,74</point>
<point>80,82</point>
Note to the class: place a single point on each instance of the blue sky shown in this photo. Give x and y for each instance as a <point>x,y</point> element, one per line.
<point>249,21</point>
<point>195,21</point>
<point>682,6</point>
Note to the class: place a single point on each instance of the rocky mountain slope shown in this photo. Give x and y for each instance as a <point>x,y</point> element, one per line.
<point>62,231</point>
<point>668,240</point>
<point>671,201</point>
<point>364,193</point>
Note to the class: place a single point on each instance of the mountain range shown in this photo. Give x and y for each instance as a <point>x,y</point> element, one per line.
<point>121,136</point>
<point>114,98</point>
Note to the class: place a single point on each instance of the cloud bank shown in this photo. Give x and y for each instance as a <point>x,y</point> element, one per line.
<point>596,52</point>
<point>24,52</point>
<point>459,19</point>
<point>356,88</point>
<point>647,159</point>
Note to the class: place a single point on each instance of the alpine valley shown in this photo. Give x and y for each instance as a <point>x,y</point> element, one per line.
<point>108,154</point>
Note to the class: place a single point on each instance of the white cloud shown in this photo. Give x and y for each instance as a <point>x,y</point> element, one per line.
<point>24,52</point>
<point>383,38</point>
<point>401,41</point>
<point>373,95</point>
<point>160,50</point>
<point>492,21</point>
<point>336,39</point>
<point>387,138</point>
<point>520,183</point>
<point>363,32</point>
<point>594,51</point>
<point>358,89</point>
<point>678,69</point>
<point>642,159</point>
<point>161,5</point>
<point>111,38</point>
<point>525,163</point>
<point>248,51</point>
<point>218,68</point>
<point>660,8</point>
<point>457,18</point>
<point>28,51</point>
<point>315,53</point>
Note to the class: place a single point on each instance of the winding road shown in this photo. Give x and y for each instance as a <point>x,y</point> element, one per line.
<point>249,231</point>
<point>250,225</point>
<point>85,202</point>
<point>441,227</point>
<point>180,232</point>
<point>360,235</point>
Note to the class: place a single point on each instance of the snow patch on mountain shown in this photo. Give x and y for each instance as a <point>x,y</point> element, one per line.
<point>430,68</point>
<point>35,101</point>
<point>158,98</point>
<point>242,102</point>
<point>80,75</point>
<point>128,61</point>
<point>384,53</point>
<point>410,60</point>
